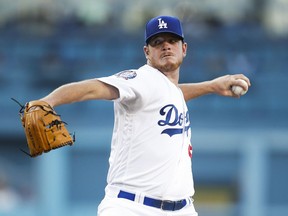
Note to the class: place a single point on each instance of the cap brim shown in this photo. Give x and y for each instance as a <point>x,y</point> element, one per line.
<point>163,32</point>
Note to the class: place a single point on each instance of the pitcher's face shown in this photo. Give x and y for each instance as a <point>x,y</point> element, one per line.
<point>165,52</point>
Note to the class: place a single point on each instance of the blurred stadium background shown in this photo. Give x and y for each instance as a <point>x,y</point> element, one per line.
<point>240,155</point>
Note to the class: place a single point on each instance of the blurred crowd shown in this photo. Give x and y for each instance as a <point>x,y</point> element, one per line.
<point>131,14</point>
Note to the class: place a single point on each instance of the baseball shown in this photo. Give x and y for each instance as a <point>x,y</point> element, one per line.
<point>238,90</point>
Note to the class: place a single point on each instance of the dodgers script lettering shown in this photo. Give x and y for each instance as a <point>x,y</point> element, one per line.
<point>177,121</point>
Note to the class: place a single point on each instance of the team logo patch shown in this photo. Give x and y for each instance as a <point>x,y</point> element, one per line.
<point>127,74</point>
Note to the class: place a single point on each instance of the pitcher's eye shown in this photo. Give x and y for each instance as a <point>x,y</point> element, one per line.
<point>156,42</point>
<point>173,40</point>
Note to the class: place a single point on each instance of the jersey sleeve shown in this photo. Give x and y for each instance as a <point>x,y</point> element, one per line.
<point>129,85</point>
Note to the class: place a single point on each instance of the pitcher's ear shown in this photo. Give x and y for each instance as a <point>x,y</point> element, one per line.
<point>146,51</point>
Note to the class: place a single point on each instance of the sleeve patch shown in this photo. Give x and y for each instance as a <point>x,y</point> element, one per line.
<point>127,74</point>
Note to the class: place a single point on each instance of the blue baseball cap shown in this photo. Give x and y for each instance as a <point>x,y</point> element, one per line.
<point>163,24</point>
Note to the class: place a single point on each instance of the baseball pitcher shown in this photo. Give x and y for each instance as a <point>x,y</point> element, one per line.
<point>150,170</point>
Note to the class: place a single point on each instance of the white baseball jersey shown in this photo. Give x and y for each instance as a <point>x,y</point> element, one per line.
<point>151,150</point>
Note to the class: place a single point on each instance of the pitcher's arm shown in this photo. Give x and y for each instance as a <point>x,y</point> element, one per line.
<point>221,86</point>
<point>91,89</point>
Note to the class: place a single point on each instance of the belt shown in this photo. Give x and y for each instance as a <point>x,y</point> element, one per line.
<point>165,205</point>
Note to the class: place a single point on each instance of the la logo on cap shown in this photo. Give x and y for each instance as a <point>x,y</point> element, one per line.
<point>162,24</point>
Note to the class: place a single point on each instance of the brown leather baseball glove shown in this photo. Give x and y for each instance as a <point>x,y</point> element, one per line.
<point>43,128</point>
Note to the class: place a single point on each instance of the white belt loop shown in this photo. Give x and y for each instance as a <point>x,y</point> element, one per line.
<point>140,198</point>
<point>189,200</point>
